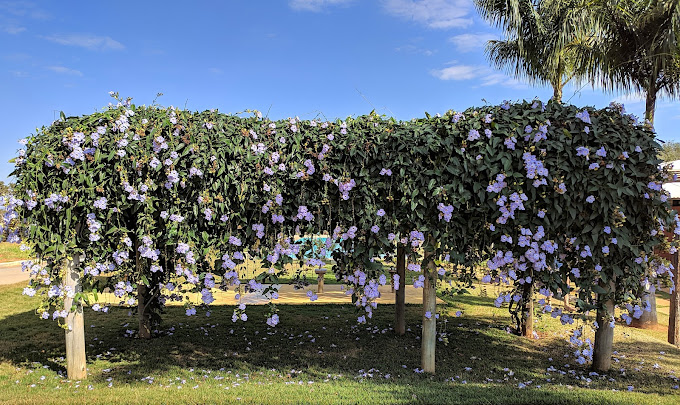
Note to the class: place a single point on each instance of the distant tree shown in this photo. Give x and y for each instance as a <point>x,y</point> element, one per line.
<point>6,188</point>
<point>670,151</point>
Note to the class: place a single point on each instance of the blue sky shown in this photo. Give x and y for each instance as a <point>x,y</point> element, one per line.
<point>306,58</point>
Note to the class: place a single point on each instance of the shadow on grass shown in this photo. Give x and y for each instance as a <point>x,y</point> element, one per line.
<point>323,341</point>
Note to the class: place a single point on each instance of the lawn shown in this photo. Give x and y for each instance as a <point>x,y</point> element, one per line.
<point>318,354</point>
<point>10,252</point>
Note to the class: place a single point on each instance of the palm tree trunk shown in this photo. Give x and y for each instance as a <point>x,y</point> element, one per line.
<point>650,105</point>
<point>557,92</point>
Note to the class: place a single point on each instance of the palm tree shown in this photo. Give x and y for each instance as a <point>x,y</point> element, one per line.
<point>540,35</point>
<point>638,48</point>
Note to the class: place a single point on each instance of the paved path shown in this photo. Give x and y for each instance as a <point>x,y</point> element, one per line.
<point>13,274</point>
<point>333,294</point>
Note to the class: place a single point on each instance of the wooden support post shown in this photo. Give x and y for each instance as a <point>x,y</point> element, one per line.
<point>674,313</point>
<point>76,367</point>
<point>528,310</point>
<point>604,336</point>
<point>648,319</point>
<point>143,296</point>
<point>143,312</point>
<point>393,271</point>
<point>565,299</point>
<point>429,338</point>
<point>319,280</point>
<point>400,296</point>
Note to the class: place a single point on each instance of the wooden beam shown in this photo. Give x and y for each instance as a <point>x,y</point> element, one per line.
<point>76,366</point>
<point>400,296</point>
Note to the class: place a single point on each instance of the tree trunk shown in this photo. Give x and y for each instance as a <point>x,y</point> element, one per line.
<point>650,104</point>
<point>400,293</point>
<point>604,336</point>
<point>527,329</point>
<point>429,338</point>
<point>557,92</point>
<point>76,366</point>
<point>674,313</point>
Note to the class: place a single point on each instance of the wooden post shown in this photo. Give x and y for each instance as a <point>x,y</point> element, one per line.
<point>143,296</point>
<point>143,311</point>
<point>393,271</point>
<point>528,310</point>
<point>604,336</point>
<point>674,313</point>
<point>76,366</point>
<point>319,280</point>
<point>648,319</point>
<point>400,296</point>
<point>429,338</point>
<point>565,299</point>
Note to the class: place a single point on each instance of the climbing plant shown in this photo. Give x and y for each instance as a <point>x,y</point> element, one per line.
<point>164,201</point>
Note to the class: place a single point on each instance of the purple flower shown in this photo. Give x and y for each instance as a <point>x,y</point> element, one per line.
<point>273,320</point>
<point>381,212</point>
<point>100,203</point>
<point>590,199</point>
<point>473,135</point>
<point>234,241</point>
<point>446,211</point>
<point>375,228</point>
<point>510,143</point>
<point>584,116</point>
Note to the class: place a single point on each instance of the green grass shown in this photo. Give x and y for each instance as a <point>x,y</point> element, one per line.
<point>318,354</point>
<point>10,252</point>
